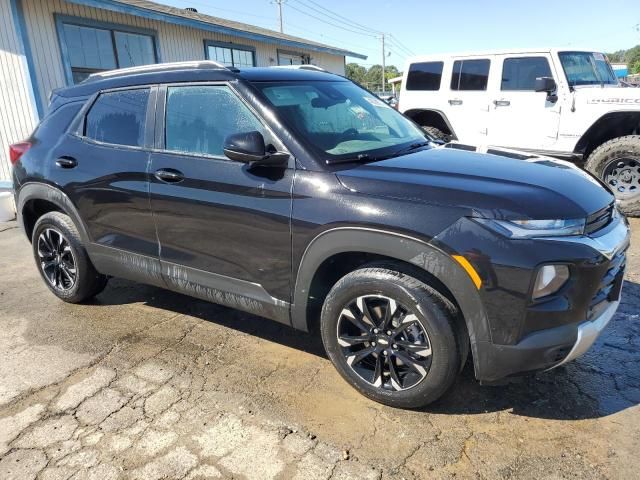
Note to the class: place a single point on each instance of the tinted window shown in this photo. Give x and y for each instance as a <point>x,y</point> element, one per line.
<point>424,76</point>
<point>118,117</point>
<point>521,73</point>
<point>470,75</point>
<point>198,119</point>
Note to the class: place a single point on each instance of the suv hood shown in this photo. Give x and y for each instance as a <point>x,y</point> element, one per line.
<point>493,185</point>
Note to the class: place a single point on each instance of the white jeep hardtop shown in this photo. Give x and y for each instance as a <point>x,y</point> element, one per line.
<point>564,103</point>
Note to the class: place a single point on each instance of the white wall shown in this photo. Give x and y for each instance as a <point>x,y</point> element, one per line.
<point>176,43</point>
<point>17,109</point>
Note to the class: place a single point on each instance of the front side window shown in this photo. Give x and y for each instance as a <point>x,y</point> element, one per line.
<point>520,73</point>
<point>425,76</point>
<point>340,119</point>
<point>585,68</point>
<point>199,118</point>
<point>94,49</point>
<point>470,75</point>
<point>118,117</point>
<point>231,56</point>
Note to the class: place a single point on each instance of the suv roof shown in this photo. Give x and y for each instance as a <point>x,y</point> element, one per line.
<point>506,51</point>
<point>189,71</point>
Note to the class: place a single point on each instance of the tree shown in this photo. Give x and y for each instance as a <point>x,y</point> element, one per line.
<point>632,57</point>
<point>356,72</point>
<point>616,57</point>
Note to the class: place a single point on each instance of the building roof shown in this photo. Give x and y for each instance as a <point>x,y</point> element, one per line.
<point>181,16</point>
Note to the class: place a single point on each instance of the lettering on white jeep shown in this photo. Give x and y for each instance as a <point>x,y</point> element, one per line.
<point>624,101</point>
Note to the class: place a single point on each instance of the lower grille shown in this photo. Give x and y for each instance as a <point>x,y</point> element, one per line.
<point>609,286</point>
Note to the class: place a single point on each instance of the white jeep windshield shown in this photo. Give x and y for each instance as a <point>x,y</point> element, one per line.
<point>341,119</point>
<point>584,68</point>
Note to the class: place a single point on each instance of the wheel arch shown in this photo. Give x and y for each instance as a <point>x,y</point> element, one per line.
<point>431,117</point>
<point>371,244</point>
<point>609,126</point>
<point>36,199</point>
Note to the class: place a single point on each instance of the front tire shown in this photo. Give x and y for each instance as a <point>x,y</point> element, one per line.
<point>437,133</point>
<point>62,260</point>
<point>392,337</point>
<point>617,164</point>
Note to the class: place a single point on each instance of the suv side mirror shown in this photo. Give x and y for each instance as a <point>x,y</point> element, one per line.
<point>249,147</point>
<point>547,84</point>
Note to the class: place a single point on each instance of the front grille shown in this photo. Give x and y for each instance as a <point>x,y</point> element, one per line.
<point>600,219</point>
<point>609,285</point>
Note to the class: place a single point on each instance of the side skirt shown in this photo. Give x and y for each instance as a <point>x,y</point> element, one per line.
<point>230,292</point>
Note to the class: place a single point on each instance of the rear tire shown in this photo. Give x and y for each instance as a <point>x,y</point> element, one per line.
<point>437,133</point>
<point>617,164</point>
<point>406,350</point>
<point>62,260</point>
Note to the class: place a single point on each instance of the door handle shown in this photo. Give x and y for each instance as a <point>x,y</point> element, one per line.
<point>66,162</point>
<point>455,101</point>
<point>169,175</point>
<point>501,103</point>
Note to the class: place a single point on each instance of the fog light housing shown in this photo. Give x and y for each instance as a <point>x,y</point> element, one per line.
<point>550,279</point>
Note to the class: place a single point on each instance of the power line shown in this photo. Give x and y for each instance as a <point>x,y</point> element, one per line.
<point>336,17</point>
<point>401,45</point>
<point>330,23</point>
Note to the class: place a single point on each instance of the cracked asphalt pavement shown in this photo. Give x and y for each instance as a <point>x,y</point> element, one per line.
<point>148,384</point>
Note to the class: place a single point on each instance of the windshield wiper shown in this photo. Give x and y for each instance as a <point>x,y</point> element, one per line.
<point>365,157</point>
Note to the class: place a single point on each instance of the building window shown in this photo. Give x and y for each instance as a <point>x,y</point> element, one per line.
<point>94,48</point>
<point>292,58</point>
<point>230,55</point>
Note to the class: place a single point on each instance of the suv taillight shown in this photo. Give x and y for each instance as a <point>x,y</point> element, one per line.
<point>17,150</point>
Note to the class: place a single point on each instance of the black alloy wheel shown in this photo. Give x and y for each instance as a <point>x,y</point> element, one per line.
<point>57,261</point>
<point>384,342</point>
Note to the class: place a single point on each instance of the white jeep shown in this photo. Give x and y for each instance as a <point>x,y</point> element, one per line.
<point>560,103</point>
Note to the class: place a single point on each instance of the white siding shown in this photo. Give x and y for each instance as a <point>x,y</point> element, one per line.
<point>175,43</point>
<point>17,110</point>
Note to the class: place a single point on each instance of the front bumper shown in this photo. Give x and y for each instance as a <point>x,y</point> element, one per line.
<point>588,332</point>
<point>560,342</point>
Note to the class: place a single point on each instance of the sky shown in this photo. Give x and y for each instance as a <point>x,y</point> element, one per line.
<point>424,27</point>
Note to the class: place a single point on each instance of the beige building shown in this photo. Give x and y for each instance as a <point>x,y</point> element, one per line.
<point>48,44</point>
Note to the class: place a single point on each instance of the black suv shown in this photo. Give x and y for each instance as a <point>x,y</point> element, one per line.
<point>298,196</point>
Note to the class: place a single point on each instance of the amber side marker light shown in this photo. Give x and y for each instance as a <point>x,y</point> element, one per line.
<point>469,269</point>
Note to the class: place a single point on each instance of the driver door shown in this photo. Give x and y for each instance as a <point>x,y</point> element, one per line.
<point>520,117</point>
<point>223,226</point>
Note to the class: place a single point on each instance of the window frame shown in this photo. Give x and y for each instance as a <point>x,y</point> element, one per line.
<point>232,46</point>
<point>515,57</point>
<point>61,20</point>
<point>442,71</point>
<point>305,57</point>
<point>149,122</point>
<point>161,127</point>
<point>462,62</point>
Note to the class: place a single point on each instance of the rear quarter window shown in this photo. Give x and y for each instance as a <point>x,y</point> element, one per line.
<point>425,76</point>
<point>57,122</point>
<point>118,117</point>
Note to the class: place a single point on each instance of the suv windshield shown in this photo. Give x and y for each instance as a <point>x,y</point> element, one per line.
<point>584,68</point>
<point>342,120</point>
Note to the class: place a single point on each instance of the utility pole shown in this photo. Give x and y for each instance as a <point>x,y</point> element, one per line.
<point>279,3</point>
<point>383,66</point>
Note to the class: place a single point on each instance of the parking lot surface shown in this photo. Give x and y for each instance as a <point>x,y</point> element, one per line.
<point>145,383</point>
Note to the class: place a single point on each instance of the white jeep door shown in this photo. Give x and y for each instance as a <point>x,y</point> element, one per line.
<point>467,98</point>
<point>519,116</point>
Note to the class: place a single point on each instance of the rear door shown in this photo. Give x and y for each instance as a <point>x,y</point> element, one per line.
<point>520,117</point>
<point>468,99</point>
<point>223,225</point>
<point>103,166</point>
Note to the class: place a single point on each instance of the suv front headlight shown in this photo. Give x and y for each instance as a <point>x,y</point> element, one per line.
<point>534,228</point>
